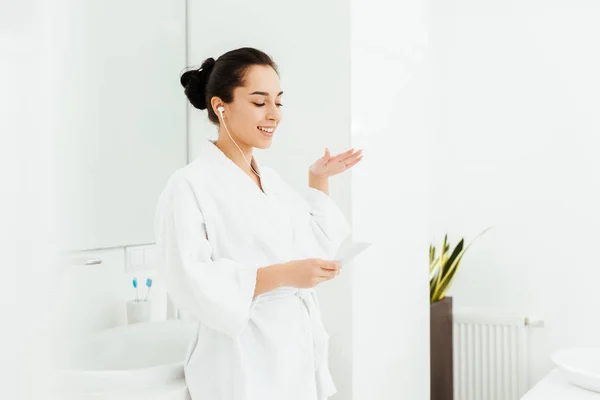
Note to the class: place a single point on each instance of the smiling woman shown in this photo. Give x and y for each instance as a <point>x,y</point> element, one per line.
<point>243,261</point>
<point>242,89</point>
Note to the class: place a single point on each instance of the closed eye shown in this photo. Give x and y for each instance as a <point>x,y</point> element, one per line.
<point>263,104</point>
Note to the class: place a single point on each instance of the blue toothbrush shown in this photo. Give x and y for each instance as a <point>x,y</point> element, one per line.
<point>135,285</point>
<point>148,285</point>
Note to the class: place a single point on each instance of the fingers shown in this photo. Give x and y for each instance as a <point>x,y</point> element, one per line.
<point>343,155</point>
<point>327,270</point>
<point>353,163</point>
<point>352,157</point>
<point>327,275</point>
<point>330,265</point>
<point>347,160</point>
<point>330,270</point>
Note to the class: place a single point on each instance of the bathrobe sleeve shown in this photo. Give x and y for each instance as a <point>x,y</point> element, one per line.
<point>328,222</point>
<point>217,292</point>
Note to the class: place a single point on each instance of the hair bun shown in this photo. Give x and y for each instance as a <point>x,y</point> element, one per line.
<point>195,81</point>
<point>208,65</point>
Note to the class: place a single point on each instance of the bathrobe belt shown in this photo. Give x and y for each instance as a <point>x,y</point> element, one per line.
<point>307,297</point>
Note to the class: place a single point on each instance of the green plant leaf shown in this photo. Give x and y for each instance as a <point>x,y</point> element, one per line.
<point>446,281</point>
<point>431,255</point>
<point>443,260</point>
<point>453,264</point>
<point>448,269</point>
<point>441,290</point>
<point>434,265</point>
<point>455,253</point>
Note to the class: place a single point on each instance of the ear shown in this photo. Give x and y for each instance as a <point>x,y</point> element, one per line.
<point>216,102</point>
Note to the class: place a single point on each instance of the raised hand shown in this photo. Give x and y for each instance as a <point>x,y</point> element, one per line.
<point>329,165</point>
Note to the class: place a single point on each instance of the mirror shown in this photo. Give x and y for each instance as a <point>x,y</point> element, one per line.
<point>126,131</point>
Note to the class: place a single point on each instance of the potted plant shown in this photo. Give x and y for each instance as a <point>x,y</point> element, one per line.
<point>442,270</point>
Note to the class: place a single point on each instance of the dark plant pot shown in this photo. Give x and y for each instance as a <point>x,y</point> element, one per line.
<point>440,329</point>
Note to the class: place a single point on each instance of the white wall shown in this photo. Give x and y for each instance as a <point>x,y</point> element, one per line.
<point>391,82</point>
<point>310,41</point>
<point>516,142</point>
<point>27,199</point>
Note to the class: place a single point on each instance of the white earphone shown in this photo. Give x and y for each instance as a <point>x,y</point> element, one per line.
<point>221,109</point>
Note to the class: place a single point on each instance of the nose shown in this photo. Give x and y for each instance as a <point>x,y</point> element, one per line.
<point>273,112</point>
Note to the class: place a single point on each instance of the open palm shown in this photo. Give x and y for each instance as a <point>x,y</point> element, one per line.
<point>328,165</point>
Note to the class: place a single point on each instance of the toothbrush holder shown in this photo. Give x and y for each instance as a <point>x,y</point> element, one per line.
<point>138,311</point>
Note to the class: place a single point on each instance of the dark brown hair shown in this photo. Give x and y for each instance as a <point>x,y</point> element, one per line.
<point>220,77</point>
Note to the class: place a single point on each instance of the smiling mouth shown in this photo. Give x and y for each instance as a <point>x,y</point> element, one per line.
<point>266,130</point>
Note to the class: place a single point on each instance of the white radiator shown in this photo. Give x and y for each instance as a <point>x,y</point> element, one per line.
<point>490,355</point>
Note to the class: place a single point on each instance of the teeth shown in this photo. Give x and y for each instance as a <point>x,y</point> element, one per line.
<point>270,130</point>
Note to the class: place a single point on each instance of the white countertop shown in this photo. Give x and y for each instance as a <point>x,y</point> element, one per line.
<point>555,387</point>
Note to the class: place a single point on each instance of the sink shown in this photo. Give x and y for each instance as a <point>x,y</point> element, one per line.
<point>580,366</point>
<point>129,359</point>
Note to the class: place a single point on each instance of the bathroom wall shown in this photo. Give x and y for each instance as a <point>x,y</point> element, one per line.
<point>28,225</point>
<point>516,141</point>
<point>391,83</point>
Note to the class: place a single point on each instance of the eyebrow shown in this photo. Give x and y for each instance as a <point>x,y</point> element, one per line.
<point>265,93</point>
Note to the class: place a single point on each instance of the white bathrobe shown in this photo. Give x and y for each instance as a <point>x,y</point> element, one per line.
<point>214,228</point>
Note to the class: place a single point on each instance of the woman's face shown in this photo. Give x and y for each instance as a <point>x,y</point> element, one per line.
<point>255,113</point>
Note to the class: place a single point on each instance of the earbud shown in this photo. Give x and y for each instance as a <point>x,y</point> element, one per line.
<point>221,109</point>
